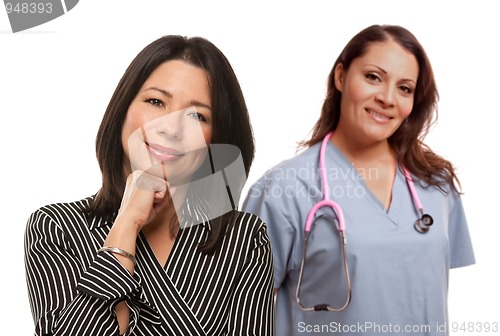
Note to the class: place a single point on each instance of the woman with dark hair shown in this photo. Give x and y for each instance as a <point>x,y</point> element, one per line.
<point>354,251</point>
<point>161,248</point>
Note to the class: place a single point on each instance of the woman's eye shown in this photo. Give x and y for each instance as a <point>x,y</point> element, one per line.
<point>198,116</point>
<point>406,89</point>
<point>155,102</point>
<point>372,77</point>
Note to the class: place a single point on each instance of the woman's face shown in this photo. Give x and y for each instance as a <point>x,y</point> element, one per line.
<point>169,123</point>
<point>377,91</point>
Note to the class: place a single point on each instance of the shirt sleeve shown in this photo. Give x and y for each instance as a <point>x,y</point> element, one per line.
<point>271,210</point>
<point>106,279</point>
<point>461,251</point>
<point>252,306</point>
<point>65,299</point>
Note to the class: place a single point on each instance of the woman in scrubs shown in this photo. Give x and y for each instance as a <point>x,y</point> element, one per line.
<point>380,102</point>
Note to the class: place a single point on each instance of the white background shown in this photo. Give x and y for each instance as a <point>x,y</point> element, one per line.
<point>56,80</point>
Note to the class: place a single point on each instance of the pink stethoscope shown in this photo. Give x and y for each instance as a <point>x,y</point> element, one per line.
<point>422,225</point>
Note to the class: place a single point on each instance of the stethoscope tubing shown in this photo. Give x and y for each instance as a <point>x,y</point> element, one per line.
<point>326,202</point>
<point>423,224</point>
<point>326,191</point>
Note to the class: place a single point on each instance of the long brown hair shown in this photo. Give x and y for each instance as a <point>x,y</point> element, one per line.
<point>230,120</point>
<point>407,141</point>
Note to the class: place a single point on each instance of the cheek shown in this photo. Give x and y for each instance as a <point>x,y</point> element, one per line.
<point>133,121</point>
<point>356,91</point>
<point>127,130</point>
<point>207,134</point>
<point>406,108</point>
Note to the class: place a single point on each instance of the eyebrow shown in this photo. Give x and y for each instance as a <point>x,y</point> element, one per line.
<point>168,94</point>
<point>385,72</point>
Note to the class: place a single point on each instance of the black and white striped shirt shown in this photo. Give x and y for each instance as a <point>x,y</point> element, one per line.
<point>73,290</point>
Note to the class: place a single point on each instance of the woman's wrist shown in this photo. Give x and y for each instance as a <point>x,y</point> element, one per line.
<point>123,236</point>
<point>129,223</point>
<point>119,251</point>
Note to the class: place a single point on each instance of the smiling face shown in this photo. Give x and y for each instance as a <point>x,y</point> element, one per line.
<point>169,123</point>
<point>377,92</point>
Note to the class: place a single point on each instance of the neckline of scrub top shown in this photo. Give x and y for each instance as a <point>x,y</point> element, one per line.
<point>398,186</point>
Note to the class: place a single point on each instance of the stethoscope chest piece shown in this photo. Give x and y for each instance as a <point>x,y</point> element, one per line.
<point>423,224</point>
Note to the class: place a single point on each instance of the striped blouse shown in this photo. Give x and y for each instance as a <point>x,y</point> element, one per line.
<point>73,289</point>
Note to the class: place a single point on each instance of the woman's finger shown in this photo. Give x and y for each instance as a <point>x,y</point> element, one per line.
<point>159,195</point>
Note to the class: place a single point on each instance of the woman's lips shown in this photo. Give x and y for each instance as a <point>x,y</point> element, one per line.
<point>379,117</point>
<point>163,153</point>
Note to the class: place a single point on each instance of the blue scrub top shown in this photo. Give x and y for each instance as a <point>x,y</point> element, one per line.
<point>399,276</point>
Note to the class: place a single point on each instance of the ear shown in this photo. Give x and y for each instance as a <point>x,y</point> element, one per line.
<point>339,76</point>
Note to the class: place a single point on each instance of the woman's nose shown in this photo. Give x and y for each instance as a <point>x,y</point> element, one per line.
<point>170,125</point>
<point>386,96</point>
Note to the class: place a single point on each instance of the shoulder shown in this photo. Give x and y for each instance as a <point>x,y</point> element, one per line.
<point>287,171</point>
<point>284,184</point>
<point>442,193</point>
<point>441,186</point>
<point>248,222</point>
<point>300,161</point>
<point>249,226</point>
<point>59,215</point>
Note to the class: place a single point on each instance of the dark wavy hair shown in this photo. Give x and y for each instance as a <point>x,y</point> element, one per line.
<point>407,141</point>
<point>230,121</point>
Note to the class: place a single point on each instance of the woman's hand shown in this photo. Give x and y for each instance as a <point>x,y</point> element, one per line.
<point>144,197</point>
